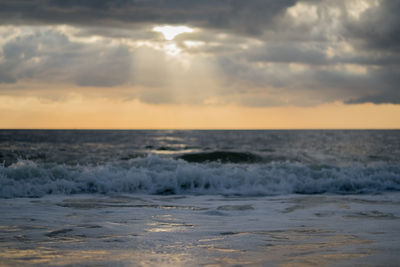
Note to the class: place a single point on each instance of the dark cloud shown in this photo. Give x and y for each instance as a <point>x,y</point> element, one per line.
<point>378,28</point>
<point>289,53</point>
<point>246,17</point>
<point>308,86</point>
<point>386,84</point>
<point>380,98</point>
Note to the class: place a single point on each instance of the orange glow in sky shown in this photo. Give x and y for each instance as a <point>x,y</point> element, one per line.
<point>102,113</point>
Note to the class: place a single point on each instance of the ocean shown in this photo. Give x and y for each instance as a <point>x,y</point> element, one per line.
<point>199,198</point>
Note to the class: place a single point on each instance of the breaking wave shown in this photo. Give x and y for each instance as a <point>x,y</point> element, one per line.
<point>157,175</point>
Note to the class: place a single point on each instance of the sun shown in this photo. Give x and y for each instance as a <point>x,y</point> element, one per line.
<point>170,32</point>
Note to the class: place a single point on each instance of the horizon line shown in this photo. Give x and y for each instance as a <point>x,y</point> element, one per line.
<point>194,129</point>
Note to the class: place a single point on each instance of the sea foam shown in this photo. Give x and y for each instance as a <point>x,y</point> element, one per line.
<point>157,175</point>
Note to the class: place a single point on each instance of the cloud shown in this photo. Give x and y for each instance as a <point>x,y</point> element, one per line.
<point>378,28</point>
<point>289,53</point>
<point>256,53</point>
<point>385,83</point>
<point>109,68</point>
<point>246,17</point>
<point>48,55</point>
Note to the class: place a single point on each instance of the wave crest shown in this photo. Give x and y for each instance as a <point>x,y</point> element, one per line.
<point>156,175</point>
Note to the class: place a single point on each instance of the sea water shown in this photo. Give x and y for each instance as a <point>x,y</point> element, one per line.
<point>139,198</point>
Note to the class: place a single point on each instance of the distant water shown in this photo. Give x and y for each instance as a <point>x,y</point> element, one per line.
<point>41,162</point>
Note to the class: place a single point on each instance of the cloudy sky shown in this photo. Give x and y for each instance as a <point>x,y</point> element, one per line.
<point>200,64</point>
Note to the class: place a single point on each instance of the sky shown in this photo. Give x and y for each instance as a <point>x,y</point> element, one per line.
<point>190,64</point>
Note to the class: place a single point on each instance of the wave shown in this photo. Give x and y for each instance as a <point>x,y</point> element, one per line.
<point>157,175</point>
